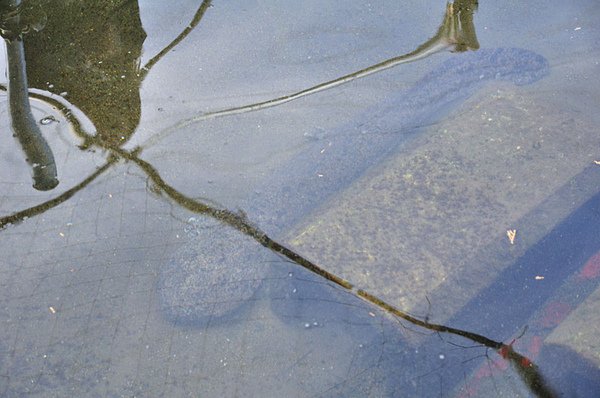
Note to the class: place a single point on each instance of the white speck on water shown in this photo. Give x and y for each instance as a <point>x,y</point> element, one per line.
<point>442,356</point>
<point>309,325</point>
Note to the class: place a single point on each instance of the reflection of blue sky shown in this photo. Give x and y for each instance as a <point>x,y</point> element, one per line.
<point>242,52</point>
<point>163,21</point>
<point>247,52</point>
<point>256,49</point>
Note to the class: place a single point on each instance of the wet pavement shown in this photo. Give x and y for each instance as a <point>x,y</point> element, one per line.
<point>312,199</point>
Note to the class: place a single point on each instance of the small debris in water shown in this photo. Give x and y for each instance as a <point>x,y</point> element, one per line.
<point>512,234</point>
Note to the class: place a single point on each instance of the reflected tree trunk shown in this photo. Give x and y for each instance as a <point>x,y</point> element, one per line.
<point>37,151</point>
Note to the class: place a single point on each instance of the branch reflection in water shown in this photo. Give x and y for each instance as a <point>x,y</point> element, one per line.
<point>456,33</point>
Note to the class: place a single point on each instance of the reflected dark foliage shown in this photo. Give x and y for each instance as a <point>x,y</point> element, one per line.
<point>89,52</point>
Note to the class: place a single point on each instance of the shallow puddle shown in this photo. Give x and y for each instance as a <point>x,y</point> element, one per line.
<point>308,199</point>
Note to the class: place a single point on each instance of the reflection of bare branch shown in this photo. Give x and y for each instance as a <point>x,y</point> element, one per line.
<point>236,220</point>
<point>19,216</point>
<point>528,371</point>
<point>449,35</point>
<point>197,17</point>
<point>525,367</point>
<point>243,225</point>
<point>456,33</point>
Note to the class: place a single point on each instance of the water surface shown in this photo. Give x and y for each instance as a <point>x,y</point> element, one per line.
<point>422,224</point>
